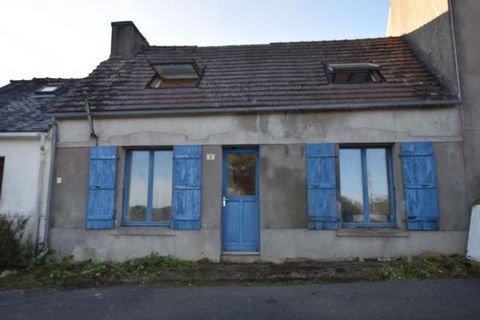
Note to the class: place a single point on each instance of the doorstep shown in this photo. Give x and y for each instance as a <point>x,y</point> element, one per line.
<point>240,257</point>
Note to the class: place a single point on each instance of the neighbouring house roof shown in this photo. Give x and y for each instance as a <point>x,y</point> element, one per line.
<point>23,103</point>
<point>272,75</point>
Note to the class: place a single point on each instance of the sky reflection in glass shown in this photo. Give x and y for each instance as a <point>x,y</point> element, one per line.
<point>162,185</point>
<point>137,198</point>
<point>364,175</point>
<point>150,186</point>
<point>378,197</point>
<point>351,188</point>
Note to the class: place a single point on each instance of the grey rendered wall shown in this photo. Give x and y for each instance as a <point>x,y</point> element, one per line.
<point>283,189</point>
<point>427,26</point>
<point>466,15</point>
<point>281,138</point>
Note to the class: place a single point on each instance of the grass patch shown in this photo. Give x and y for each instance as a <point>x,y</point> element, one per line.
<point>160,271</point>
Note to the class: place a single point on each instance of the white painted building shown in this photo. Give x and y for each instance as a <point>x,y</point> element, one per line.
<point>26,163</point>
<point>25,150</point>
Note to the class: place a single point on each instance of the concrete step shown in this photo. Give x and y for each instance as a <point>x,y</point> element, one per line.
<point>241,257</point>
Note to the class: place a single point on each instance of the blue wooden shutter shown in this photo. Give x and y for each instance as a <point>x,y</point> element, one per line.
<point>101,188</point>
<point>420,184</point>
<point>321,182</point>
<point>187,168</point>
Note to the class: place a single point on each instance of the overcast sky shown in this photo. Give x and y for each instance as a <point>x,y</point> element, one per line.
<point>69,38</point>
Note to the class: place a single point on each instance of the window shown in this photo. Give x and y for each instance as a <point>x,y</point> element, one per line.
<point>2,163</point>
<point>175,75</point>
<point>366,186</point>
<point>148,192</point>
<point>50,88</point>
<point>354,73</point>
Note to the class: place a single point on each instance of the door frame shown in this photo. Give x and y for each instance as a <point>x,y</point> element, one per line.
<point>239,150</point>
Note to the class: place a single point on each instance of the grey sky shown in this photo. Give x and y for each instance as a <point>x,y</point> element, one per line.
<point>68,38</point>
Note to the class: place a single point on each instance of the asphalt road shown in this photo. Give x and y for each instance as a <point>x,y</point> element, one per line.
<point>444,299</point>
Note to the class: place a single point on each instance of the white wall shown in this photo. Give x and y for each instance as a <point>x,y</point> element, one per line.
<point>473,247</point>
<point>25,180</point>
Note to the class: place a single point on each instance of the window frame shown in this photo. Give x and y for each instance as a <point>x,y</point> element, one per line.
<point>126,189</point>
<point>391,187</point>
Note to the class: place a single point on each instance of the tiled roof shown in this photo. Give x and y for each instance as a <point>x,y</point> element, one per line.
<point>277,74</point>
<point>22,110</point>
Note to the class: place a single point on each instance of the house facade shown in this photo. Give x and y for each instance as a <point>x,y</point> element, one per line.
<point>25,150</point>
<point>322,150</point>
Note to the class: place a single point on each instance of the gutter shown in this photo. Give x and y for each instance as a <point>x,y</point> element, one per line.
<point>53,152</point>
<point>232,110</point>
<point>21,135</point>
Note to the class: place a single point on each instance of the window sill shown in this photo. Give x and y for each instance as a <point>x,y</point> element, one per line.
<point>143,231</point>
<point>372,232</point>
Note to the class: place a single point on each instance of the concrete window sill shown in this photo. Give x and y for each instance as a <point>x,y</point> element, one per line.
<point>146,231</point>
<point>372,232</point>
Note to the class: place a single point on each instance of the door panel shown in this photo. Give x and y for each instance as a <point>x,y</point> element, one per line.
<point>240,221</point>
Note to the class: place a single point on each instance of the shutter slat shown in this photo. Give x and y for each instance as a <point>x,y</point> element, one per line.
<point>420,185</point>
<point>321,183</point>
<point>101,188</point>
<point>187,187</point>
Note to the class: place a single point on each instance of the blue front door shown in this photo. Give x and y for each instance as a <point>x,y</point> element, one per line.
<point>240,221</point>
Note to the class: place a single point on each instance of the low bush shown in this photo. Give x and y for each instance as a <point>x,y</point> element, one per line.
<point>13,252</point>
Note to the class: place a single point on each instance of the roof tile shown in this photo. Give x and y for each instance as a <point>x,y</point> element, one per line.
<point>276,74</point>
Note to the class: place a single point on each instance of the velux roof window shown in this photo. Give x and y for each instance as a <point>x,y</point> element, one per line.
<point>173,75</point>
<point>48,89</point>
<point>354,72</point>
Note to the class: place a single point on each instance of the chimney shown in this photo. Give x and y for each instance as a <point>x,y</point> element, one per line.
<point>127,41</point>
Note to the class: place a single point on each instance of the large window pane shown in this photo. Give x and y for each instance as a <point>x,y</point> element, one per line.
<point>138,189</point>
<point>378,193</point>
<point>351,188</point>
<point>162,185</point>
<point>241,174</point>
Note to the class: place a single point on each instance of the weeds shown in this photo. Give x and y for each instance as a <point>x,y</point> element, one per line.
<point>67,271</point>
<point>476,202</point>
<point>156,270</point>
<point>431,266</point>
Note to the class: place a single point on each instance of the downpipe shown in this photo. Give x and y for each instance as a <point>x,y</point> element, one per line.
<point>52,168</point>
<point>38,207</point>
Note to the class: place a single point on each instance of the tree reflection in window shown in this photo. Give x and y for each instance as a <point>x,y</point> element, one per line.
<point>241,174</point>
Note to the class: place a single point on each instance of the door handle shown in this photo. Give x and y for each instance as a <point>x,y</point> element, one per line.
<point>224,201</point>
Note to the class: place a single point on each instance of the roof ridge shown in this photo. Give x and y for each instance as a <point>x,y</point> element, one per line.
<point>275,43</point>
<point>44,80</point>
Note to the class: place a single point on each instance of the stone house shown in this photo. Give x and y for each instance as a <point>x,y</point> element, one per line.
<point>322,150</point>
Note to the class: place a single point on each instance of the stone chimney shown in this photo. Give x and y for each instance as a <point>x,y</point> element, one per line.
<point>127,41</point>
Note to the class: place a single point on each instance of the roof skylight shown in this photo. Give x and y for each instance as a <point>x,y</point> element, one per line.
<point>49,88</point>
<point>354,72</point>
<point>175,75</point>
